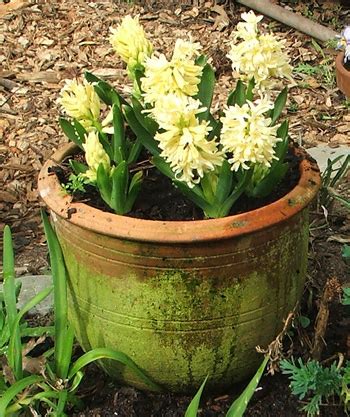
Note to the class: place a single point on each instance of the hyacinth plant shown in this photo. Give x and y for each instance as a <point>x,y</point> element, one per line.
<point>211,159</point>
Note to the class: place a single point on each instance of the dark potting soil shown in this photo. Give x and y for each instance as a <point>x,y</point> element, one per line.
<point>272,399</point>
<point>160,200</point>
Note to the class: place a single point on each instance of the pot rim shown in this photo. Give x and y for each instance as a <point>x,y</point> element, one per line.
<point>188,231</point>
<point>339,64</point>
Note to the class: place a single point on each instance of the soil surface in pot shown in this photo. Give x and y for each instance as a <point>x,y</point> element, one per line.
<point>160,200</point>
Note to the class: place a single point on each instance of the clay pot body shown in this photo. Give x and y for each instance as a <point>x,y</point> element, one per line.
<point>342,75</point>
<point>183,299</point>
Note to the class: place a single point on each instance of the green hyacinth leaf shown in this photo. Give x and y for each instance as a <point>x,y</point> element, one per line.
<point>239,407</point>
<point>192,410</point>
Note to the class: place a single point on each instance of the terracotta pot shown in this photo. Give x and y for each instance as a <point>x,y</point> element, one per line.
<point>184,299</point>
<point>342,75</point>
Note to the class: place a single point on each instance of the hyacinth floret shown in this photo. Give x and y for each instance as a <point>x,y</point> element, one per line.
<point>95,155</point>
<point>81,102</point>
<point>249,27</point>
<point>183,139</point>
<point>258,56</point>
<point>247,135</point>
<point>179,76</point>
<point>130,42</point>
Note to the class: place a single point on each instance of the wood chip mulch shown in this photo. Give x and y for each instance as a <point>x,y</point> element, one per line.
<point>43,43</point>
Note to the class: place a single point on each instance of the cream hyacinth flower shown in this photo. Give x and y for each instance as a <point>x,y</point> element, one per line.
<point>249,27</point>
<point>179,76</point>
<point>184,141</point>
<point>81,102</point>
<point>95,155</point>
<point>258,56</point>
<point>247,135</point>
<point>130,42</point>
<point>107,123</point>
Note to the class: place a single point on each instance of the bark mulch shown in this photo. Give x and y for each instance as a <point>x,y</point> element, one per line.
<point>43,43</point>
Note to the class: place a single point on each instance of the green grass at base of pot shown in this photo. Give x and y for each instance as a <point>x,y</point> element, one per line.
<point>53,385</point>
<point>334,173</point>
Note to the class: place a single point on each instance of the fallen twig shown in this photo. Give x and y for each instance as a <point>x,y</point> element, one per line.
<point>331,290</point>
<point>289,18</point>
<point>275,348</point>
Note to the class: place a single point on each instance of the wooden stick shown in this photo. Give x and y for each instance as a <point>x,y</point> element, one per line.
<point>331,290</point>
<point>291,19</point>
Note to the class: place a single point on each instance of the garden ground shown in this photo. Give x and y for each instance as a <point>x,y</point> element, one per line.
<point>43,43</point>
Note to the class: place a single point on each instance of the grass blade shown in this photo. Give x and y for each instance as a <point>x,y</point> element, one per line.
<point>15,389</point>
<point>9,289</point>
<point>38,331</point>
<point>15,345</point>
<point>340,171</point>
<point>60,296</point>
<point>105,353</point>
<point>66,354</point>
<point>62,400</point>
<point>192,409</point>
<point>33,302</point>
<point>14,349</point>
<point>239,406</point>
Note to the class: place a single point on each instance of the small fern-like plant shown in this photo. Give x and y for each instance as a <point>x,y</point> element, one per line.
<point>316,384</point>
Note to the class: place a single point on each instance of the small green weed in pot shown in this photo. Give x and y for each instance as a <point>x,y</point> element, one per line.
<point>76,183</point>
<point>213,159</point>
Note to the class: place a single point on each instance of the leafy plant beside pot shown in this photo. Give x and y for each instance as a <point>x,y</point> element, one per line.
<point>192,297</point>
<point>342,63</point>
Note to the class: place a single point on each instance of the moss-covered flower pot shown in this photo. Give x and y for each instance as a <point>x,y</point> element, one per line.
<point>342,75</point>
<point>183,299</point>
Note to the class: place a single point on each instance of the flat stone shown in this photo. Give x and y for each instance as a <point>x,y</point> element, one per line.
<point>31,286</point>
<point>324,152</point>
